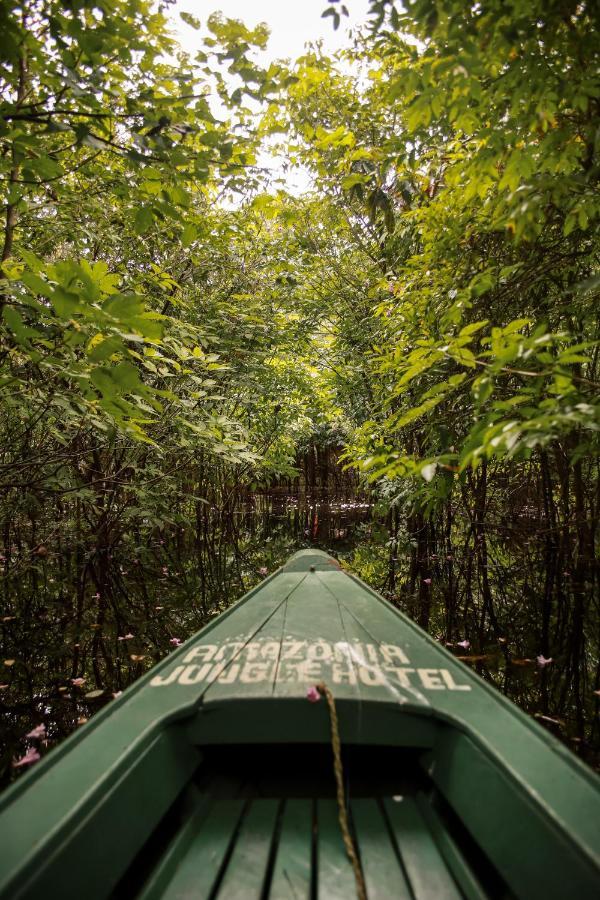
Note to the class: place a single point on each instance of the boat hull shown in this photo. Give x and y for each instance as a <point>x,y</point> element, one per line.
<point>490,804</point>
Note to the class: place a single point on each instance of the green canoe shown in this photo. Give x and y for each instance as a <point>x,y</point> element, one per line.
<point>212,776</point>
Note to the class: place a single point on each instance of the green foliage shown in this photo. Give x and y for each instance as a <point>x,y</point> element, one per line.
<point>466,168</point>
<point>150,349</point>
<point>431,306</point>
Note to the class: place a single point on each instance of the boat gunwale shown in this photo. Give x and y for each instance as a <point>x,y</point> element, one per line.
<point>538,730</point>
<point>187,709</point>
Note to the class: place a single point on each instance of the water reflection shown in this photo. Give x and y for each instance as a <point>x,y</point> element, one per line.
<point>83,624</point>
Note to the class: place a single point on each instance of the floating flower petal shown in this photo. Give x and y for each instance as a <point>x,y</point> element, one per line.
<point>38,732</point>
<point>31,756</point>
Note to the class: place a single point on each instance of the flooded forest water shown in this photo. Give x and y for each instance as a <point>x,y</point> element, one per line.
<point>81,622</point>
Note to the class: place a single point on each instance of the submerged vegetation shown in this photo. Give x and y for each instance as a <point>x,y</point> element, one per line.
<point>181,334</point>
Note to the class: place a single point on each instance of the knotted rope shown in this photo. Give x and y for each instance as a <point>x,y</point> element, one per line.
<point>339,780</point>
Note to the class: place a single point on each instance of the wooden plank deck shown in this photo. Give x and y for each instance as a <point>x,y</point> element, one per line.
<point>293,850</point>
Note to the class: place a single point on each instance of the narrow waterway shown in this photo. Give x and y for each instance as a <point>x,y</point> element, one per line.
<point>72,642</point>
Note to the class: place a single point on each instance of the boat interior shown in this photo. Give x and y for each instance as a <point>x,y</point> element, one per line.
<point>261,821</point>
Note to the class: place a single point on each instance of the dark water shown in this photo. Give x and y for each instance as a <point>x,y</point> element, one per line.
<point>81,625</point>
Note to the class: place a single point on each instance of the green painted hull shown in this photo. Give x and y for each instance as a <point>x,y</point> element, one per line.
<point>212,775</point>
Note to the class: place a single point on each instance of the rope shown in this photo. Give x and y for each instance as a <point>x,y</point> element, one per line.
<point>341,802</point>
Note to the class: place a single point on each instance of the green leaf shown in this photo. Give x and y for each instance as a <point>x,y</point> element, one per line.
<point>474,327</point>
<point>188,235</point>
<point>16,324</point>
<point>482,388</point>
<point>144,219</point>
<point>190,20</point>
<point>36,284</point>
<point>211,138</point>
<point>66,303</point>
<point>44,168</point>
<point>516,325</point>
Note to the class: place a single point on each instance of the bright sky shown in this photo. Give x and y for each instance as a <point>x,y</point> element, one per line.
<point>292,22</point>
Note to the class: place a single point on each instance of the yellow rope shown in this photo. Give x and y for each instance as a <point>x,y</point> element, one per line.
<point>341,802</point>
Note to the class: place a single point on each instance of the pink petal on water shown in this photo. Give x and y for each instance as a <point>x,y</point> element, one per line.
<point>38,732</point>
<point>313,695</point>
<point>464,644</point>
<point>543,661</point>
<point>31,756</point>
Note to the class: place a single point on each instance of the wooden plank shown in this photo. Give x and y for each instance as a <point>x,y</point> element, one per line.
<point>335,878</point>
<point>312,617</point>
<point>197,858</point>
<point>456,862</point>
<point>245,874</point>
<point>293,863</point>
<point>423,863</point>
<point>252,670</point>
<point>383,872</point>
<point>368,624</point>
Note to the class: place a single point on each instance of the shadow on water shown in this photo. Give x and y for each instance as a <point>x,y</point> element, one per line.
<point>82,626</point>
